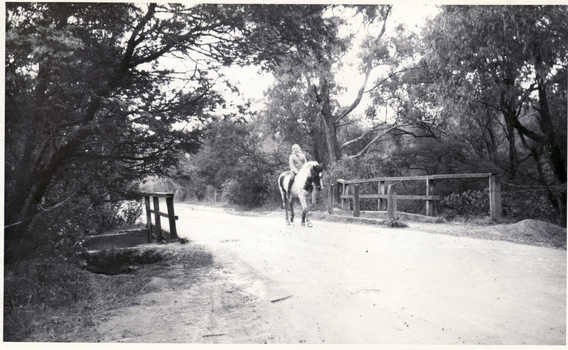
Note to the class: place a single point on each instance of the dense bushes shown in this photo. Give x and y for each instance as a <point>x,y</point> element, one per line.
<point>520,205</point>
<point>467,204</point>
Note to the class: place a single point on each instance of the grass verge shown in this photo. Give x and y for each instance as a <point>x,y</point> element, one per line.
<point>59,301</point>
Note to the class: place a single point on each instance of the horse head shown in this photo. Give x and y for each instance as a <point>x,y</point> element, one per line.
<point>316,173</point>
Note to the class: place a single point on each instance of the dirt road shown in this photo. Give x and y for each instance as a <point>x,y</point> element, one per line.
<point>352,284</point>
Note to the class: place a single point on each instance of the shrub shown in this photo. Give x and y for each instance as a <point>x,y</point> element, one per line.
<point>469,203</point>
<point>245,193</point>
<point>125,213</point>
<point>526,205</point>
<point>251,185</point>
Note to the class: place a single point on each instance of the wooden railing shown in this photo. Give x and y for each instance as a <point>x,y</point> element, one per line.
<point>345,185</point>
<point>155,231</point>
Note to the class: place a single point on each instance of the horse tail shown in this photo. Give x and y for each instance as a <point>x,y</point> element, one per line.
<point>281,180</point>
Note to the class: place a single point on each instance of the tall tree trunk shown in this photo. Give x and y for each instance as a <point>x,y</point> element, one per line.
<point>330,128</point>
<point>19,191</point>
<point>40,173</point>
<point>556,198</point>
<point>557,157</point>
<point>507,107</point>
<point>512,168</point>
<point>319,143</point>
<point>554,145</point>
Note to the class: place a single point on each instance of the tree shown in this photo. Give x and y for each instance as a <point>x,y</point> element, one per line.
<point>293,114</point>
<point>305,94</point>
<point>374,53</point>
<point>74,78</point>
<point>514,59</point>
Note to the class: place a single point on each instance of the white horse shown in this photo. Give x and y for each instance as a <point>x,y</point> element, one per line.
<point>307,178</point>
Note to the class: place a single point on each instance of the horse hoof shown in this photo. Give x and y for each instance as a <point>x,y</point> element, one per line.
<point>287,222</point>
<point>310,224</point>
<point>303,224</point>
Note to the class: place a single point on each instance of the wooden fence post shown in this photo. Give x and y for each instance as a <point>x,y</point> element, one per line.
<point>171,217</point>
<point>330,195</point>
<point>391,203</point>
<point>495,209</point>
<point>157,219</point>
<point>345,202</point>
<point>381,192</point>
<point>356,206</point>
<point>314,198</point>
<point>148,218</point>
<point>429,192</point>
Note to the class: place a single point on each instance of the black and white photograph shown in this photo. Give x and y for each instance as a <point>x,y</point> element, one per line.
<point>229,174</point>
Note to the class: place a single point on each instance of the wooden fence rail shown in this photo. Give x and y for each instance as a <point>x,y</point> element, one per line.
<point>155,231</point>
<point>495,209</point>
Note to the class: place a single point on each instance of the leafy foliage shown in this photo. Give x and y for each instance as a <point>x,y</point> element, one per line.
<point>468,203</point>
<point>429,156</point>
<point>236,160</point>
<point>497,71</point>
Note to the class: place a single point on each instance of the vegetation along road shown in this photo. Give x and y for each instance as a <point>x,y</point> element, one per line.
<point>339,283</point>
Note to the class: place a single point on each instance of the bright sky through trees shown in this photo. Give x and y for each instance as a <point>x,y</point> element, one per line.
<point>253,83</point>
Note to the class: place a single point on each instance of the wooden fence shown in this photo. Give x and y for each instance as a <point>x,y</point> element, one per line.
<point>155,231</point>
<point>345,185</point>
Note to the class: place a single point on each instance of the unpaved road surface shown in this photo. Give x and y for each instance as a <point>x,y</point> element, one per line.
<point>339,283</point>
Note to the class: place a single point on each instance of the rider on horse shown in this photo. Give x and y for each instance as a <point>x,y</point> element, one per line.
<point>297,160</point>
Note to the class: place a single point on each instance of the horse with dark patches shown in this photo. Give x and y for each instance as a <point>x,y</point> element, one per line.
<point>307,178</point>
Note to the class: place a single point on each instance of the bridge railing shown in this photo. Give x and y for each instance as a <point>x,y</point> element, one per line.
<point>494,183</point>
<point>155,231</point>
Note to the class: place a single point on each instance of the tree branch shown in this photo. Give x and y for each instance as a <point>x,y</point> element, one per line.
<point>358,98</point>
<point>375,139</point>
<point>134,40</point>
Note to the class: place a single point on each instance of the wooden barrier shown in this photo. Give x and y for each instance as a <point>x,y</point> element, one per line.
<point>155,232</point>
<point>121,239</point>
<point>495,208</point>
<point>330,198</point>
<point>356,202</point>
<point>391,203</point>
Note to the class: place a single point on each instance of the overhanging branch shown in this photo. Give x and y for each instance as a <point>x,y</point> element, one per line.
<point>374,140</point>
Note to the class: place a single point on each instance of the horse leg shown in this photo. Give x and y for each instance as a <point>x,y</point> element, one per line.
<point>284,196</point>
<point>305,219</point>
<point>291,208</point>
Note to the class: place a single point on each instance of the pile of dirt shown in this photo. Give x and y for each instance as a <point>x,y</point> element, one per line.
<point>535,231</point>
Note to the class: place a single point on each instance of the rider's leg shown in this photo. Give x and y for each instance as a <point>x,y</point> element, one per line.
<point>291,181</point>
